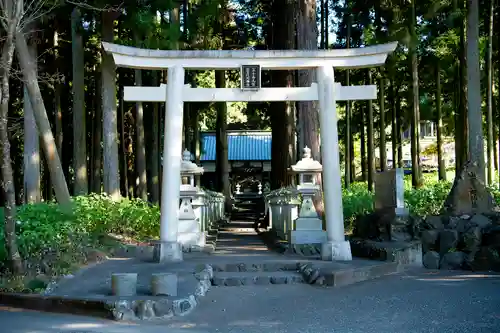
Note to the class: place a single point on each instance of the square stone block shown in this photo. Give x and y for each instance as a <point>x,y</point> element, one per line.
<point>164,284</point>
<point>308,224</point>
<point>307,236</point>
<point>336,251</point>
<point>167,252</point>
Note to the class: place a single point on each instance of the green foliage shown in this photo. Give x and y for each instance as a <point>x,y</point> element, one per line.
<point>98,214</point>
<point>424,201</point>
<point>356,201</point>
<point>44,230</point>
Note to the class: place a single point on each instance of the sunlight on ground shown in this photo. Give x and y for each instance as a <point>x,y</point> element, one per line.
<point>459,278</point>
<point>240,249</point>
<point>236,323</point>
<point>79,326</point>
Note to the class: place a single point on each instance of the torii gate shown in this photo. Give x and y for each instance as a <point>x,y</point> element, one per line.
<point>175,93</point>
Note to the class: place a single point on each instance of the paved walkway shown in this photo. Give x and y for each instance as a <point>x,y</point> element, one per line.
<point>418,302</point>
<point>239,238</point>
<point>414,302</point>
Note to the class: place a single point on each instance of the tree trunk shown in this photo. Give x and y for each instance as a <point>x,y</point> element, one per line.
<point>283,113</point>
<point>362,134</point>
<point>353,161</point>
<point>392,103</point>
<point>322,24</point>
<point>461,131</point>
<point>495,149</point>
<point>415,102</point>
<point>28,66</point>
<point>399,131</point>
<point>441,164</point>
<point>9,229</point>
<point>383,154</point>
<point>308,115</point>
<point>475,117</point>
<point>196,142</point>
<point>97,136</point>
<point>126,187</point>
<point>222,162</point>
<point>81,186</point>
<point>327,21</point>
<point>348,134</point>
<point>32,178</point>
<point>155,148</point>
<point>489,97</point>
<point>140,154</point>
<point>57,97</point>
<point>370,148</point>
<point>110,118</point>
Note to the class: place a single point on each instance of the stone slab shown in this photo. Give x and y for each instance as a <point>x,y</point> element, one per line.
<point>308,224</point>
<point>403,253</point>
<point>389,190</point>
<point>307,236</point>
<point>355,275</point>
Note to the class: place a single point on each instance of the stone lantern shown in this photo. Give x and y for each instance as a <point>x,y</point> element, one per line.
<point>308,227</point>
<point>188,169</point>
<point>189,230</point>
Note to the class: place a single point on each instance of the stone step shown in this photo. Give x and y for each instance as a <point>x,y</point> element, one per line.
<point>230,279</point>
<point>269,266</point>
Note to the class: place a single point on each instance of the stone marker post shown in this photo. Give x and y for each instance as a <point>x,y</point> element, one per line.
<point>389,192</point>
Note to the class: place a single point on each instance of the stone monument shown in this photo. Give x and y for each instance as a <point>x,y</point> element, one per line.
<point>308,228</point>
<point>389,192</point>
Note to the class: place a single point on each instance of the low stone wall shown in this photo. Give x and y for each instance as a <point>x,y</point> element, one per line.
<point>163,308</point>
<point>463,242</point>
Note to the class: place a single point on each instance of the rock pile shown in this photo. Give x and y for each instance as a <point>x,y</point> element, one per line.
<point>462,242</point>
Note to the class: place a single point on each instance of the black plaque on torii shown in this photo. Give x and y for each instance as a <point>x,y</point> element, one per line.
<point>250,77</point>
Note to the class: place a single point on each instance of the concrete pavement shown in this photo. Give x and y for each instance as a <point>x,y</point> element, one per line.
<point>418,301</point>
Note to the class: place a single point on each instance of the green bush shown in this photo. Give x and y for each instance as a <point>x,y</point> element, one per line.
<point>424,201</point>
<point>44,229</point>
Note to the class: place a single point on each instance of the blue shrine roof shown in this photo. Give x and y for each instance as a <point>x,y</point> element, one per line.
<point>242,146</point>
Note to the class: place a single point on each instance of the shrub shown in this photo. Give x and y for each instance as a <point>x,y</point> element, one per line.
<point>423,201</point>
<point>45,230</point>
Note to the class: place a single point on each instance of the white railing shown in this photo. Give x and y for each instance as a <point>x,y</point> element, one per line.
<point>282,205</point>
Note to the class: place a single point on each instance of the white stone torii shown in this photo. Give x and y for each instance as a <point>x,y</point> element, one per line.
<point>175,93</point>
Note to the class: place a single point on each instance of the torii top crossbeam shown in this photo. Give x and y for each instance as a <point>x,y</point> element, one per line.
<point>132,57</point>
